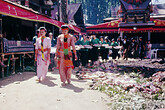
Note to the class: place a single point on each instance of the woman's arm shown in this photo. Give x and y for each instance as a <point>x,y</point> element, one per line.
<point>49,48</point>
<point>36,50</point>
<point>57,46</point>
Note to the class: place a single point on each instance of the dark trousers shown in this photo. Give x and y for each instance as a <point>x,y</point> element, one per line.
<point>84,58</point>
<point>95,54</point>
<point>90,54</point>
<point>52,64</point>
<point>104,53</point>
<point>141,53</point>
<point>134,53</point>
<point>114,53</point>
<point>125,54</point>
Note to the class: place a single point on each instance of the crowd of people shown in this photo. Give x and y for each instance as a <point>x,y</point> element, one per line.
<point>63,54</point>
<point>127,48</point>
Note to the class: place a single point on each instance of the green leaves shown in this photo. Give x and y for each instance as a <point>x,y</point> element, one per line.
<point>96,10</point>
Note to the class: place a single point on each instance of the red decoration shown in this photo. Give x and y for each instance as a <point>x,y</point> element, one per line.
<point>65,45</point>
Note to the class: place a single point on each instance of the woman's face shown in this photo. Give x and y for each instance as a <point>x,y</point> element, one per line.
<point>101,39</point>
<point>42,32</point>
<point>84,37</point>
<point>65,31</point>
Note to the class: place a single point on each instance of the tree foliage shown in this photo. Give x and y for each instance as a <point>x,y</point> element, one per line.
<point>96,10</point>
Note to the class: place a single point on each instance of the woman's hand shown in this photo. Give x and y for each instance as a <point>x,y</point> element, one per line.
<point>76,57</point>
<point>35,57</point>
<point>48,57</point>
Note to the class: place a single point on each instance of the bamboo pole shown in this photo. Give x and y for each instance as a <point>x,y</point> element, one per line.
<point>8,64</point>
<point>64,11</point>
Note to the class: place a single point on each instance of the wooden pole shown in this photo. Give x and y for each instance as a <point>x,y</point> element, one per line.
<point>23,62</point>
<point>149,35</point>
<point>64,11</point>
<point>58,4</point>
<point>3,70</point>
<point>0,26</point>
<point>8,65</point>
<point>13,64</point>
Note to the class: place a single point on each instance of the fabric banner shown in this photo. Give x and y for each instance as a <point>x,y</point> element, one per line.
<point>18,11</point>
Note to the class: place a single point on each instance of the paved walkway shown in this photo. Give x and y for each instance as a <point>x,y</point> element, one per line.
<point>22,92</point>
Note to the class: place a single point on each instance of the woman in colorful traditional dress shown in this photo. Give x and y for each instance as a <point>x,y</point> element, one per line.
<point>42,54</point>
<point>64,54</point>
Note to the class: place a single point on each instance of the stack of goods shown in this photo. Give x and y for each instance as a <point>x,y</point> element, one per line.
<point>18,46</point>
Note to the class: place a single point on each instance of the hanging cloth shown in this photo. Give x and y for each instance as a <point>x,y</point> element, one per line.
<point>42,48</point>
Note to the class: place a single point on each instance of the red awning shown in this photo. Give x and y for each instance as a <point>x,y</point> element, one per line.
<point>112,24</point>
<point>109,27</point>
<point>158,27</point>
<point>158,22</point>
<point>18,11</point>
<point>102,31</point>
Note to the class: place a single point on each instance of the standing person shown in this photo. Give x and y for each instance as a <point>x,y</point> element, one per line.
<point>84,51</point>
<point>89,49</point>
<point>107,49</point>
<point>95,51</point>
<point>76,63</point>
<point>134,47</point>
<point>64,54</point>
<point>103,51</point>
<point>35,38</point>
<point>34,43</point>
<point>1,40</point>
<point>114,51</point>
<point>107,41</point>
<point>125,48</point>
<point>149,45</point>
<point>2,65</point>
<point>52,53</point>
<point>120,43</point>
<point>145,51</point>
<point>141,48</point>
<point>42,54</point>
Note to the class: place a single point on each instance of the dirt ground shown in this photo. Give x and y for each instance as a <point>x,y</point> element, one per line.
<point>22,92</point>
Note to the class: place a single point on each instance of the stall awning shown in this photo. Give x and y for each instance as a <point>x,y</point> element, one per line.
<point>158,27</point>
<point>102,31</point>
<point>18,11</point>
<point>109,27</point>
<point>158,22</point>
<point>113,27</point>
<point>112,24</point>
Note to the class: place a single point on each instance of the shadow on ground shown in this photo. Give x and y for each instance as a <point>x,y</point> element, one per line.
<point>74,88</point>
<point>17,78</point>
<point>76,80</point>
<point>49,81</point>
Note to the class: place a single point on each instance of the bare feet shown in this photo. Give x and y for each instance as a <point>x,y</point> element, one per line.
<point>38,80</point>
<point>63,84</point>
<point>68,81</point>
